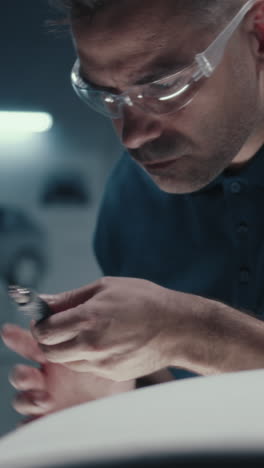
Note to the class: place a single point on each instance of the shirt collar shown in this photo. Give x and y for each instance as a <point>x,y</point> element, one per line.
<point>252,173</point>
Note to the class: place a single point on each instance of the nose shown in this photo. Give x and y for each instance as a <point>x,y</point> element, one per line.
<point>136,128</point>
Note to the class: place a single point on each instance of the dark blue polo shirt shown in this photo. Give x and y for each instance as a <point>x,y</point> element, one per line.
<point>209,243</point>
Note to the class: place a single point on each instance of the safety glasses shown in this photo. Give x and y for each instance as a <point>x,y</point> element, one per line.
<point>168,94</point>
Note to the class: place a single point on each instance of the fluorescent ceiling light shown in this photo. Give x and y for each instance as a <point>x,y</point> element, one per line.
<point>24,122</point>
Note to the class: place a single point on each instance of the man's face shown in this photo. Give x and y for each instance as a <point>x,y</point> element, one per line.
<point>138,41</point>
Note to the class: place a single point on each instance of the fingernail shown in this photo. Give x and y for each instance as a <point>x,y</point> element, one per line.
<point>5,339</point>
<point>46,297</point>
<point>42,399</point>
<point>6,329</point>
<point>6,334</point>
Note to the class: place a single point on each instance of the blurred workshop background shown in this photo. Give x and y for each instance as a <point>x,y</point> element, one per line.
<point>51,182</point>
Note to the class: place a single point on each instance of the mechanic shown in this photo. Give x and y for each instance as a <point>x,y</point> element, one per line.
<point>180,233</point>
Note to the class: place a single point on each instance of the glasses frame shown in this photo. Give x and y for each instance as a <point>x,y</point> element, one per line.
<point>203,66</point>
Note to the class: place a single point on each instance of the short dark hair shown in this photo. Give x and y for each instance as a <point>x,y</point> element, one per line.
<point>79,8</point>
<point>205,11</point>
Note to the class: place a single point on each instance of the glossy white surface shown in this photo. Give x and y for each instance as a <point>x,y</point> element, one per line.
<point>201,414</point>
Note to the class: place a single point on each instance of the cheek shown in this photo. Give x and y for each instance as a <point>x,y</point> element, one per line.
<point>226,110</point>
<point>208,107</point>
<point>233,89</point>
<point>220,101</point>
<point>213,95</point>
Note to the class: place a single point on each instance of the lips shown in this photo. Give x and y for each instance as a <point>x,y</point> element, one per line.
<point>160,164</point>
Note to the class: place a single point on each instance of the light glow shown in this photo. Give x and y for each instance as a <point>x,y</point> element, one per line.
<point>176,94</point>
<point>24,123</point>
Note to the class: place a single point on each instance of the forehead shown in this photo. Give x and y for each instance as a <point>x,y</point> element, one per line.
<point>131,33</point>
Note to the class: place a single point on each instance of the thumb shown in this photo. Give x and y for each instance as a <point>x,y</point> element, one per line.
<point>70,299</point>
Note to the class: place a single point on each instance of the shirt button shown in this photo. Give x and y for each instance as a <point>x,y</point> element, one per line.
<point>244,276</point>
<point>235,187</point>
<point>243,228</point>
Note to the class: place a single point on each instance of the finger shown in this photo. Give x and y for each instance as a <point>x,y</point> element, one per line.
<point>71,350</point>
<point>24,378</point>
<point>32,403</point>
<point>21,341</point>
<point>87,367</point>
<point>70,299</point>
<point>65,325</point>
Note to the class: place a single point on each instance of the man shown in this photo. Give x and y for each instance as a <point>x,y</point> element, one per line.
<point>180,232</point>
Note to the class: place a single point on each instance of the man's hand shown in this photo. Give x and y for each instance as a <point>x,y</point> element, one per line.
<point>116,328</point>
<point>123,329</point>
<point>52,387</point>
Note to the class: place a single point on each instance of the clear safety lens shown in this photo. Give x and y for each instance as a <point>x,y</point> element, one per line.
<point>161,97</point>
<point>170,94</point>
<point>104,103</point>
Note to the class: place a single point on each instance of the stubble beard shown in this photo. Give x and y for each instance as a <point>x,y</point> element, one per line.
<point>195,170</point>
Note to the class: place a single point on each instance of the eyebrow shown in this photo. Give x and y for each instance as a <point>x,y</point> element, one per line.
<point>158,72</point>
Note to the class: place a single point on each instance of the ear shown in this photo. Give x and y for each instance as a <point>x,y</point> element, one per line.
<point>254,28</point>
<point>259,25</point>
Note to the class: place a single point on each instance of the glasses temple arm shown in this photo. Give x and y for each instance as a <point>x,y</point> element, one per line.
<point>212,56</point>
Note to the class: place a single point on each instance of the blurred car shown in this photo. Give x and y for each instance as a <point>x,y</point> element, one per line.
<point>66,188</point>
<point>23,248</point>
